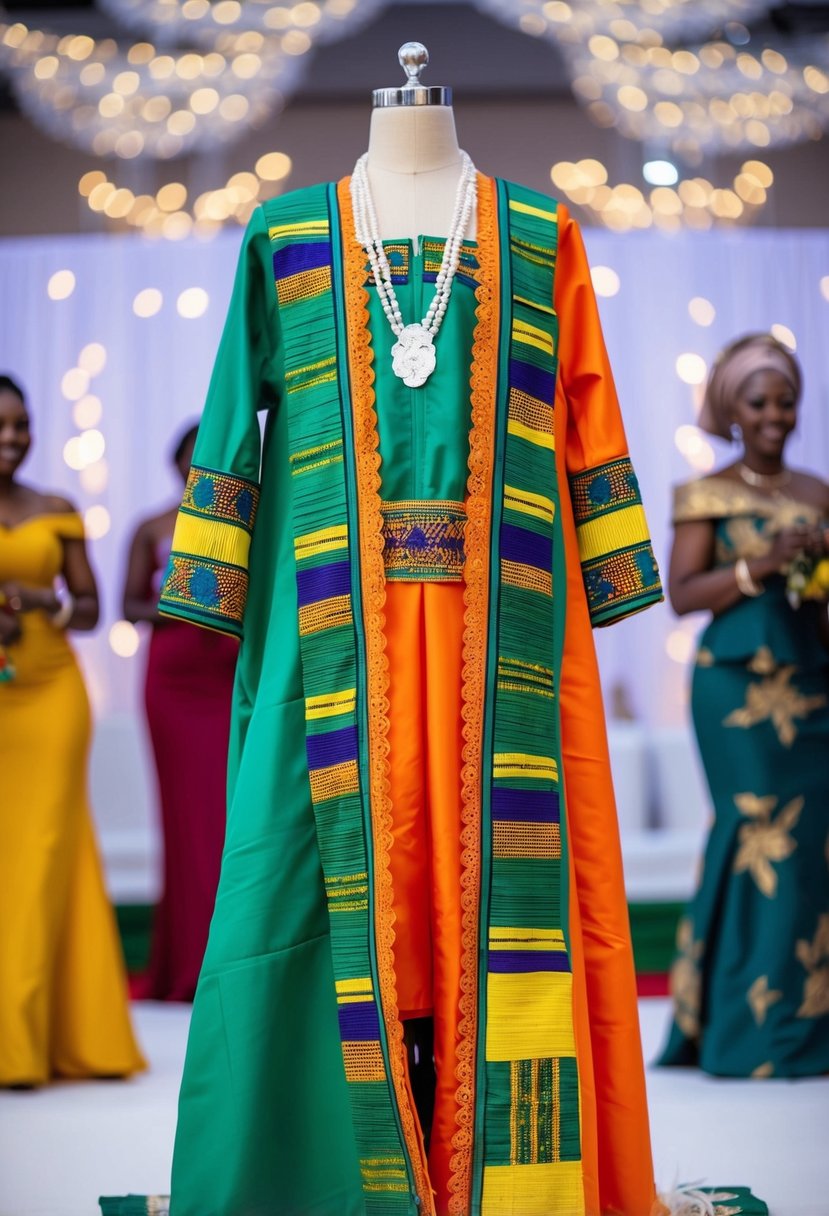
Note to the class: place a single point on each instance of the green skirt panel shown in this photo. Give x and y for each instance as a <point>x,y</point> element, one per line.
<point>264,1033</point>
<point>751,980</point>
<point>264,1036</point>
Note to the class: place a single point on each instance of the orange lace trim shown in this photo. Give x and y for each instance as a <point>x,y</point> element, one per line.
<point>367,454</point>
<point>483,381</point>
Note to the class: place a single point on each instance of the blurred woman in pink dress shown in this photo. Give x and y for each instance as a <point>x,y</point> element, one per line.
<point>187,699</point>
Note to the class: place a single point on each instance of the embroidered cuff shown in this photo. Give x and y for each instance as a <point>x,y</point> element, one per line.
<point>620,572</point>
<point>207,577</point>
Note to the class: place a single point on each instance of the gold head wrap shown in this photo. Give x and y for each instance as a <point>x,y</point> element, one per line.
<point>732,367</point>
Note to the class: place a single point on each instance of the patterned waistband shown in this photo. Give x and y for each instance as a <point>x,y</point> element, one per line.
<point>423,541</point>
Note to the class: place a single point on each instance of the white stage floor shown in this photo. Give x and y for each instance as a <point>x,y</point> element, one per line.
<point>62,1146</point>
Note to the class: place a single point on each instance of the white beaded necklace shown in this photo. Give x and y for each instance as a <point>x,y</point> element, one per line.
<point>413,354</point>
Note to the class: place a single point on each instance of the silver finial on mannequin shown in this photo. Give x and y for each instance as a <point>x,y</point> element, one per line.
<point>413,58</point>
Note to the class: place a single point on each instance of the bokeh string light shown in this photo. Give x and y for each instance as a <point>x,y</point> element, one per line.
<point>167,214</point>
<point>693,202</point>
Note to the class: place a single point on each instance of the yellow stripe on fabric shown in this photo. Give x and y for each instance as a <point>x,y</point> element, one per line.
<point>330,704</point>
<point>533,1111</point>
<point>310,367</point>
<point>303,285</point>
<point>528,209</point>
<point>520,764</point>
<point>305,227</point>
<point>556,1120</point>
<point>546,672</point>
<point>325,614</point>
<point>318,464</point>
<point>324,378</point>
<point>539,438</point>
<point>333,782</point>
<point>514,838</point>
<point>531,578</point>
<point>530,335</point>
<point>363,1061</point>
<point>321,541</point>
<point>535,304</point>
<point>510,686</point>
<point>211,538</point>
<point>616,530</point>
<point>529,503</point>
<point>541,939</point>
<point>529,1015</point>
<point>320,447</point>
<point>361,985</point>
<point>534,1190</point>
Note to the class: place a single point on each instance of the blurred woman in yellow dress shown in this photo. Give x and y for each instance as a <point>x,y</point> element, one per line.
<point>63,997</point>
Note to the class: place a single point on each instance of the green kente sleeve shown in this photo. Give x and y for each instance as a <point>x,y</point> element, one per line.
<point>207,577</point>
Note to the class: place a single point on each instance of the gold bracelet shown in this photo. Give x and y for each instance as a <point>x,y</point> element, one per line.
<point>745,582</point>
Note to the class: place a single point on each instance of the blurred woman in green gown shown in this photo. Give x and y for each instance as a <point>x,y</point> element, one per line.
<point>750,984</point>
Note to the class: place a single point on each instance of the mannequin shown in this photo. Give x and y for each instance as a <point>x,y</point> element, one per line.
<point>411,692</point>
<point>413,155</point>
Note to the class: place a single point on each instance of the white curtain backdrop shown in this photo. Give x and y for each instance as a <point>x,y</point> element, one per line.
<point>157,370</point>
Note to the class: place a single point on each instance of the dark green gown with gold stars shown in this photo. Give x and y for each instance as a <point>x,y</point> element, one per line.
<point>751,980</point>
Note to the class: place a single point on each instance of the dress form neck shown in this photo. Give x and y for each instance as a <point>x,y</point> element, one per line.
<point>414,166</point>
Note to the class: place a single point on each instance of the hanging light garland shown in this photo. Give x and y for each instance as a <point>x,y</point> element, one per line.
<point>672,20</point>
<point>678,75</point>
<point>97,97</point>
<point>633,68</point>
<point>714,97</point>
<point>296,26</point>
<point>162,98</point>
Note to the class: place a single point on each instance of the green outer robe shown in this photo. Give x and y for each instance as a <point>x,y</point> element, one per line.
<point>292,1100</point>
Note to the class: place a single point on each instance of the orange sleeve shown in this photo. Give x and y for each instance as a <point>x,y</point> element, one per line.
<point>618,566</point>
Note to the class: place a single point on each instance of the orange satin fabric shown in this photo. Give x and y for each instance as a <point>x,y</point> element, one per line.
<point>424,629</point>
<point>615,1128</point>
<point>424,637</point>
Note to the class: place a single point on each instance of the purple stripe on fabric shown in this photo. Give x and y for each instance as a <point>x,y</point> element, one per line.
<point>332,748</point>
<point>524,806</point>
<point>417,541</point>
<point>358,1022</point>
<point>515,961</point>
<point>532,380</point>
<point>322,582</point>
<point>295,258</point>
<point>521,545</point>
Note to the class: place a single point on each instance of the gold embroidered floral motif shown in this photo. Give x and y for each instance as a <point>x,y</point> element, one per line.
<point>814,956</point>
<point>763,662</point>
<point>745,539</point>
<point>765,840</point>
<point>777,700</point>
<point>760,997</point>
<point>686,980</point>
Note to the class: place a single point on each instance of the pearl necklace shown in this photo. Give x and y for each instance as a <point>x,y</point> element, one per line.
<point>413,354</point>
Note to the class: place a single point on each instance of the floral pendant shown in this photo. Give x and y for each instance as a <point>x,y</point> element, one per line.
<point>413,355</point>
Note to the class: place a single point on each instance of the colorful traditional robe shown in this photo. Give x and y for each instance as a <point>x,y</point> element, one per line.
<point>295,1096</point>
